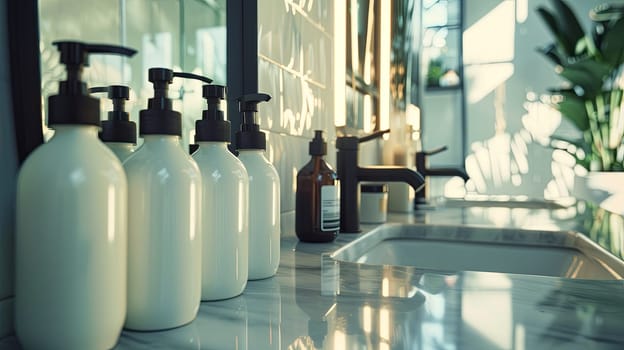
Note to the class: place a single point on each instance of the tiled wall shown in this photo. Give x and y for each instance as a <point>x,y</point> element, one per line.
<point>296,50</point>
<point>295,57</point>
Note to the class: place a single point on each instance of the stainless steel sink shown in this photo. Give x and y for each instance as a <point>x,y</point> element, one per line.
<point>415,251</point>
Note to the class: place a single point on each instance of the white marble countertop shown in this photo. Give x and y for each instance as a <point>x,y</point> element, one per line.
<point>462,311</point>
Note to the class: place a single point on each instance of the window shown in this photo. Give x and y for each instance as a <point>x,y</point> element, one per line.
<point>442,43</point>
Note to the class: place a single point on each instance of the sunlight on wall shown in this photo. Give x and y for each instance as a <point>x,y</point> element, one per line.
<point>491,39</point>
<point>483,79</point>
<point>340,42</point>
<point>503,159</point>
<point>541,120</point>
<point>522,10</point>
<point>295,52</point>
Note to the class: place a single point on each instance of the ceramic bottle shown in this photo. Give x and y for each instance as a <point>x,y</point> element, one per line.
<point>225,199</point>
<point>164,222</point>
<point>264,191</point>
<point>70,290</point>
<point>118,132</point>
<point>317,207</point>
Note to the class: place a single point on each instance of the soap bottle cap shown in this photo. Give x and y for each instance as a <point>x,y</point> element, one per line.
<point>213,126</point>
<point>250,136</point>
<point>159,118</point>
<point>118,127</point>
<point>72,104</point>
<point>318,146</point>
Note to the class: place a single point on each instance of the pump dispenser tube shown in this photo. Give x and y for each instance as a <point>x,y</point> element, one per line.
<point>164,244</point>
<point>264,191</point>
<point>71,241</point>
<point>225,195</point>
<point>118,132</point>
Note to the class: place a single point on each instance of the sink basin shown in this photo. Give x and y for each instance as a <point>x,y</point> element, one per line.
<point>505,202</point>
<point>489,257</point>
<point>452,249</point>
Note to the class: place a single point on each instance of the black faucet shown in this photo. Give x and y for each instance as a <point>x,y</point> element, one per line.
<point>421,167</point>
<point>350,174</point>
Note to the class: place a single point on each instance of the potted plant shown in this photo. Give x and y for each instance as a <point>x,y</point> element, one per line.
<point>591,65</point>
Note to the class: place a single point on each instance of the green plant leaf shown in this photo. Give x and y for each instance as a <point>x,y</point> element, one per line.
<point>606,12</point>
<point>612,44</point>
<point>551,53</point>
<point>573,108</point>
<point>568,24</point>
<point>588,74</point>
<point>586,47</point>
<point>562,41</point>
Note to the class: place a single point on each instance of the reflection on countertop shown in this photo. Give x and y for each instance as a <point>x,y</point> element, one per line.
<point>461,310</point>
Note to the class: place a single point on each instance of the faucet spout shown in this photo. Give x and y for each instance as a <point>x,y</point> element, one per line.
<point>447,172</point>
<point>392,174</point>
<point>421,166</point>
<point>350,175</point>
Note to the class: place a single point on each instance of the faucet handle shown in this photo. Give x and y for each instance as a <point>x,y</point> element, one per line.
<point>433,151</point>
<point>422,155</point>
<point>349,142</point>
<point>421,166</point>
<point>373,136</point>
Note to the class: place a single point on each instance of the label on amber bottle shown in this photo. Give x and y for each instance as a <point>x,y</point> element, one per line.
<point>330,208</point>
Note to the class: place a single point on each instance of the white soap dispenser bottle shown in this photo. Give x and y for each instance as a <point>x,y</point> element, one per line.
<point>70,286</point>
<point>164,220</point>
<point>118,132</point>
<point>224,207</point>
<point>264,191</point>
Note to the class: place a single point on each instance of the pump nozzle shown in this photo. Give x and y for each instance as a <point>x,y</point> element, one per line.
<point>248,106</point>
<point>249,102</point>
<point>76,52</point>
<point>159,117</point>
<point>118,127</point>
<point>119,94</point>
<point>318,146</point>
<point>192,76</point>
<point>214,94</point>
<point>213,126</point>
<point>250,136</point>
<point>72,104</point>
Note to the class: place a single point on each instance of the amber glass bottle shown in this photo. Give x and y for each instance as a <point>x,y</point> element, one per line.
<point>317,206</point>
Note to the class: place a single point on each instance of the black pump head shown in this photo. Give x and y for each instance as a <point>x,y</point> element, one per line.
<point>249,102</point>
<point>159,118</point>
<point>318,146</point>
<point>72,104</point>
<point>250,136</point>
<point>213,126</point>
<point>77,53</point>
<point>118,127</point>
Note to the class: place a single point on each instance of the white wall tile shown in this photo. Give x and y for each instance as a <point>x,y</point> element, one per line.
<point>295,67</point>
